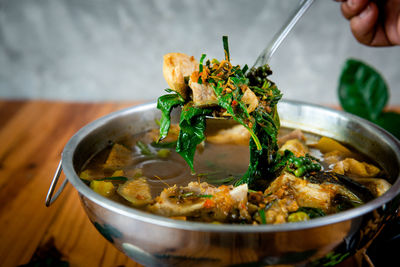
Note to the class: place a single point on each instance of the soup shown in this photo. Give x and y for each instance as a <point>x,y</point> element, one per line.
<point>138,172</point>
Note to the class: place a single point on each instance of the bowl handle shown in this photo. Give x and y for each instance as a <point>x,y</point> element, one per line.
<point>49,198</point>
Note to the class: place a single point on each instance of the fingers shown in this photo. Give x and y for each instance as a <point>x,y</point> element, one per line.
<point>352,8</point>
<point>364,24</point>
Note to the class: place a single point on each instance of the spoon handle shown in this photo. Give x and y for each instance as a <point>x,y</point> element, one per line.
<point>267,53</point>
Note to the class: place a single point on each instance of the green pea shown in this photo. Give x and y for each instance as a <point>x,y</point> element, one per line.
<point>163,153</point>
<point>307,161</point>
<point>298,216</point>
<point>316,167</point>
<point>297,162</point>
<point>300,171</point>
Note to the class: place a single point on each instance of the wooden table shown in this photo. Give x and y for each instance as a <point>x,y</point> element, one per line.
<point>33,135</point>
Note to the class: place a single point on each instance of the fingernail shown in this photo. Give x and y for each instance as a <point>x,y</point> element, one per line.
<point>350,2</point>
<point>365,12</point>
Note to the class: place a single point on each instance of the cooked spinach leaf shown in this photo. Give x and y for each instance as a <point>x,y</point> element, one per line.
<point>230,84</point>
<point>165,103</point>
<point>192,126</point>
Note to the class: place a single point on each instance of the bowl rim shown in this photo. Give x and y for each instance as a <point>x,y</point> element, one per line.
<point>84,190</point>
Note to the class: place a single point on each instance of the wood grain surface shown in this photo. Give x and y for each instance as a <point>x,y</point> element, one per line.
<point>33,135</point>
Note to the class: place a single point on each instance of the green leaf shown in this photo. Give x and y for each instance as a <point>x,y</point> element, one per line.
<point>192,126</point>
<point>390,121</point>
<point>261,212</point>
<point>114,178</point>
<point>164,144</point>
<point>165,103</point>
<point>362,90</point>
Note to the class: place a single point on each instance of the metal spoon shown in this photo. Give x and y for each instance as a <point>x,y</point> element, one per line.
<point>267,53</point>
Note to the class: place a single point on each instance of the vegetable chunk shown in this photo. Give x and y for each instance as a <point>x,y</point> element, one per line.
<point>103,188</point>
<point>136,191</point>
<point>119,156</point>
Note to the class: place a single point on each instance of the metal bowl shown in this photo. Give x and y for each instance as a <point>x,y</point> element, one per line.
<point>157,241</point>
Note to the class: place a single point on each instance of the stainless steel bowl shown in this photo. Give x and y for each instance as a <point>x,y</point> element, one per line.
<point>157,241</point>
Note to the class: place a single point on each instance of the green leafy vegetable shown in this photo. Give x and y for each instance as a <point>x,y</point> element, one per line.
<point>206,196</point>
<point>192,126</point>
<point>363,92</point>
<point>164,144</point>
<point>114,178</point>
<point>165,103</point>
<point>261,212</point>
<point>230,84</point>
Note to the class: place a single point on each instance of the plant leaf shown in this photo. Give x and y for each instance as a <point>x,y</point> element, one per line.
<point>192,126</point>
<point>390,121</point>
<point>165,103</point>
<point>362,90</point>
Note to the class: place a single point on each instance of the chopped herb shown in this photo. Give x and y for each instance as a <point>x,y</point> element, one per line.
<point>144,149</point>
<point>164,144</point>
<point>188,194</point>
<point>115,178</point>
<point>261,212</point>
<point>206,196</point>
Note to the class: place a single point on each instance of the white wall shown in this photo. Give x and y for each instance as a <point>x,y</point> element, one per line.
<point>112,50</point>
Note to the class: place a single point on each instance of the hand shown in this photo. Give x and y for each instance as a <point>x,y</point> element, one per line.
<point>373,23</point>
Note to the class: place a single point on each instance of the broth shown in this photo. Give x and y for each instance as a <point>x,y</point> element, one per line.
<point>214,164</point>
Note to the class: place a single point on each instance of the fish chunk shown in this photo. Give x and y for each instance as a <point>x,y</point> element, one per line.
<point>203,94</point>
<point>353,167</point>
<point>298,148</point>
<point>234,135</point>
<point>172,202</point>
<point>287,193</point>
<point>136,191</point>
<point>377,186</point>
<point>250,99</point>
<point>295,134</point>
<point>176,67</point>
<point>201,200</point>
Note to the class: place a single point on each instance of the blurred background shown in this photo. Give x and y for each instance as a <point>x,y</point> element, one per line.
<point>99,50</point>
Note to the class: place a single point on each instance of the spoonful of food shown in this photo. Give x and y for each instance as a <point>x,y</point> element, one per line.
<point>276,41</point>
<point>182,72</point>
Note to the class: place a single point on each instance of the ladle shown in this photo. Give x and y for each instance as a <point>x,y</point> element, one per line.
<point>277,39</point>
